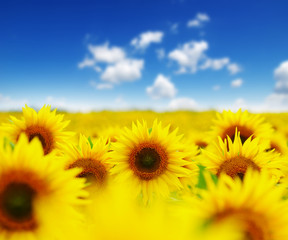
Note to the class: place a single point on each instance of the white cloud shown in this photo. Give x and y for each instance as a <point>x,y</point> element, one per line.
<point>281,77</point>
<point>100,86</point>
<point>189,55</point>
<point>237,83</point>
<point>7,103</point>
<point>216,87</point>
<point>145,39</point>
<point>183,104</point>
<point>215,64</point>
<point>56,102</point>
<point>162,88</point>
<point>198,20</point>
<point>160,53</point>
<point>174,28</point>
<point>117,67</point>
<point>125,70</point>
<point>86,63</point>
<point>234,68</point>
<point>104,53</point>
<point>203,17</point>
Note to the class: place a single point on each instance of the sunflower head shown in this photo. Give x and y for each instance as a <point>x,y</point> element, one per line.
<point>246,202</point>
<point>34,190</point>
<point>234,157</point>
<point>247,124</point>
<point>46,125</point>
<point>152,160</point>
<point>92,157</point>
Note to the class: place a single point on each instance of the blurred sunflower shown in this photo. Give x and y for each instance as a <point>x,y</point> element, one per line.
<point>254,203</point>
<point>37,196</point>
<point>150,160</point>
<point>246,123</point>
<point>235,158</point>
<point>278,143</point>
<point>46,125</point>
<point>91,157</point>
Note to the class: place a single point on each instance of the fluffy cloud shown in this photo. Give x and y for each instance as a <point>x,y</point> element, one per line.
<point>198,20</point>
<point>160,53</point>
<point>174,28</point>
<point>86,63</point>
<point>233,68</point>
<point>7,103</point>
<point>215,64</point>
<point>189,55</point>
<point>281,77</point>
<point>104,53</point>
<point>145,39</point>
<point>183,104</point>
<point>125,70</point>
<point>237,83</point>
<point>101,86</point>
<point>216,87</point>
<point>117,67</point>
<point>162,88</point>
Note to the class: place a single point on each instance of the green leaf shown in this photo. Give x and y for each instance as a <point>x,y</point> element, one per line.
<point>201,178</point>
<point>90,141</point>
<point>150,130</point>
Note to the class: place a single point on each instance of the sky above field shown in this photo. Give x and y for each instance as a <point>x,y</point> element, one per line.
<point>142,54</point>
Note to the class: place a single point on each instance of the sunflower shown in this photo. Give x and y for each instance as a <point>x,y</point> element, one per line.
<point>235,158</point>
<point>278,143</point>
<point>46,125</point>
<point>246,123</point>
<point>151,160</point>
<point>37,196</point>
<point>255,203</point>
<point>91,157</point>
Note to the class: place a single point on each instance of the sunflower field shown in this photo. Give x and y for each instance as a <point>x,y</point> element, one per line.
<point>143,175</point>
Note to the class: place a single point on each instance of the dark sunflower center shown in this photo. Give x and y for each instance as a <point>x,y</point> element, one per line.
<point>245,133</point>
<point>275,148</point>
<point>43,135</point>
<point>17,202</point>
<point>237,167</point>
<point>147,160</point>
<point>92,170</point>
<point>254,226</point>
<point>201,144</point>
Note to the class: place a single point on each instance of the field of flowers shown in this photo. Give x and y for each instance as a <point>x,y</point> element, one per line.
<point>143,175</point>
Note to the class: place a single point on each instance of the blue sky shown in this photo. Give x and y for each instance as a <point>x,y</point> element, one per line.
<point>161,55</point>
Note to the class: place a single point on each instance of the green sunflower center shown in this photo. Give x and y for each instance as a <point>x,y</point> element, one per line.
<point>16,201</point>
<point>147,160</point>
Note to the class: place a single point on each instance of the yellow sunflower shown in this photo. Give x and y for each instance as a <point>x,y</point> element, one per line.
<point>278,142</point>
<point>150,160</point>
<point>37,196</point>
<point>248,125</point>
<point>235,158</point>
<point>91,157</point>
<point>255,203</point>
<point>46,125</point>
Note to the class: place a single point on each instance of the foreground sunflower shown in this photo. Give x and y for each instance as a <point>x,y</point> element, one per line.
<point>37,196</point>
<point>255,203</point>
<point>150,160</point>
<point>248,125</point>
<point>46,125</point>
<point>91,157</point>
<point>235,158</point>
